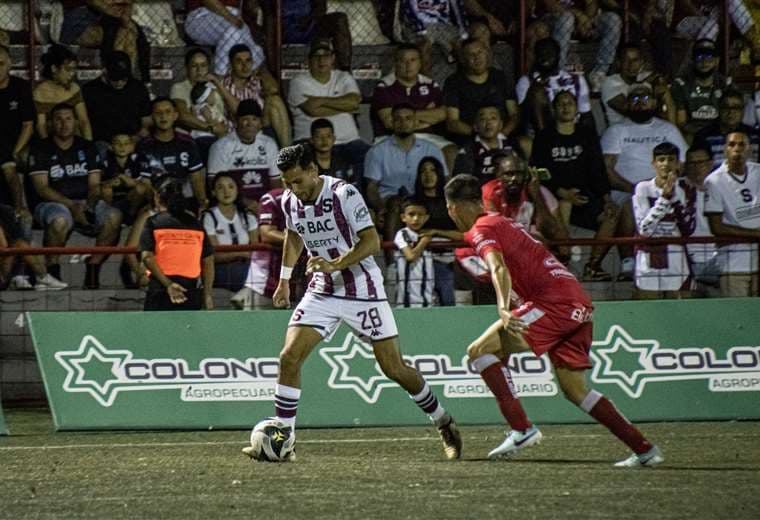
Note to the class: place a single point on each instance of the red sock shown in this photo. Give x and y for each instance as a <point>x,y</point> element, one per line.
<point>605,412</point>
<point>499,381</point>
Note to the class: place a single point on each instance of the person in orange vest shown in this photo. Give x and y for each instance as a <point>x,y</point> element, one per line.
<point>178,253</point>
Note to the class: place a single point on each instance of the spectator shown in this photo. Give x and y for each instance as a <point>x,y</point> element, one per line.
<point>169,153</point>
<point>429,190</point>
<point>177,252</point>
<point>264,271</point>
<point>474,84</point>
<point>107,26</point>
<point>245,82</point>
<point>196,72</point>
<point>66,172</point>
<point>59,66</point>
<point>16,126</point>
<point>123,186</point>
<point>247,155</point>
<point>431,178</point>
<point>697,96</point>
<point>703,258</point>
<point>330,161</point>
<point>732,206</point>
<point>123,183</point>
<point>117,102</point>
<point>587,19</point>
<point>207,105</point>
<point>229,222</point>
<point>406,85</point>
<point>426,23</point>
<point>329,93</point>
<point>625,148</point>
<point>664,206</point>
<point>11,236</point>
<point>713,136</point>
<point>578,178</point>
<point>536,91</point>
<point>219,24</point>
<point>516,192</point>
<point>391,168</point>
<point>651,20</point>
<point>488,136</point>
<point>414,263</point>
<point>615,88</point>
<point>303,21</point>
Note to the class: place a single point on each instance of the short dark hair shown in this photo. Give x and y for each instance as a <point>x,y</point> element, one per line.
<point>470,41</point>
<point>551,42</point>
<point>192,52</point>
<point>464,188</point>
<point>62,106</point>
<point>238,49</point>
<point>628,46</point>
<point>699,148</point>
<point>406,46</point>
<point>56,56</point>
<point>402,106</point>
<point>297,155</point>
<point>414,201</point>
<point>321,122</point>
<point>564,93</point>
<point>739,130</point>
<point>489,103</point>
<point>162,99</point>
<point>732,92</point>
<point>666,148</point>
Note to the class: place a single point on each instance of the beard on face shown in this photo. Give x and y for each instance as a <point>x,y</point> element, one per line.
<point>641,116</point>
<point>512,192</point>
<point>702,74</point>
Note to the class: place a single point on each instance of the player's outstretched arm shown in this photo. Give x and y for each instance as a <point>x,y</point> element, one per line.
<point>502,283</point>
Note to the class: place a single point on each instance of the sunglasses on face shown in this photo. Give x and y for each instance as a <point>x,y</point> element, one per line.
<point>704,56</point>
<point>640,99</point>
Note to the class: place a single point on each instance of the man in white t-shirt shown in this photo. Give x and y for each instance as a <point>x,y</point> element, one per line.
<point>247,155</point>
<point>329,93</point>
<point>615,88</point>
<point>627,149</point>
<point>732,206</point>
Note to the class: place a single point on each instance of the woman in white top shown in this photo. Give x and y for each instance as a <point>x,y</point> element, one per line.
<point>229,223</point>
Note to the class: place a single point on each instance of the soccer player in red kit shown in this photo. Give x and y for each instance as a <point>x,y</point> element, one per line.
<point>541,307</point>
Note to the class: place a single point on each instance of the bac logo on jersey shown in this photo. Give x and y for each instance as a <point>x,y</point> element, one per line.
<point>319,226</point>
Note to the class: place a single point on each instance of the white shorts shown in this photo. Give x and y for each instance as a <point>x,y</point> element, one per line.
<point>371,319</point>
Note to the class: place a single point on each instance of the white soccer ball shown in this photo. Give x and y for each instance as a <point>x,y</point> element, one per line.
<point>272,441</point>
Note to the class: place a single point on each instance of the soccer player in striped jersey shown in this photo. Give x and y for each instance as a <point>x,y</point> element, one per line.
<point>331,220</point>
<point>542,308</point>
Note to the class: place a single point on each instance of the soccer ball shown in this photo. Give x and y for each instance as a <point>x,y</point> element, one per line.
<point>272,441</point>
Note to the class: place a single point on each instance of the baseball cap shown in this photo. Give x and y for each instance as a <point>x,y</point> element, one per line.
<point>118,66</point>
<point>248,107</point>
<point>705,46</point>
<point>323,45</point>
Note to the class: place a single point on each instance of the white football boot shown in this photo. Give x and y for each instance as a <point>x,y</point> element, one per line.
<point>516,441</point>
<point>49,283</point>
<point>649,459</point>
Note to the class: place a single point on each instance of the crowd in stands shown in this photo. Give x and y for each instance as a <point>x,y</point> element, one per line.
<point>676,156</point>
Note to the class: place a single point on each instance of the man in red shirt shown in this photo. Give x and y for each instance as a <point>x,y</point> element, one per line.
<point>542,308</point>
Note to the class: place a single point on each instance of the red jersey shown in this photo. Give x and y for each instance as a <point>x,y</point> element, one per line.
<point>536,275</point>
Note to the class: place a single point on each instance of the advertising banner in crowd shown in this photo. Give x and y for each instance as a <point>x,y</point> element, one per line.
<point>668,360</point>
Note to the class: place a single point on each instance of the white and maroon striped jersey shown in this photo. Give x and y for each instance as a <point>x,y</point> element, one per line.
<point>329,228</point>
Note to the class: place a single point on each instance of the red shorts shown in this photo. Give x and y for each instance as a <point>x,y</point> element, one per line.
<point>565,333</point>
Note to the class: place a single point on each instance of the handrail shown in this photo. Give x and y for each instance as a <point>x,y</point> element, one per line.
<point>438,245</point>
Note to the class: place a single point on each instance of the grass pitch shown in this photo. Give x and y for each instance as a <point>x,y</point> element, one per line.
<point>712,471</point>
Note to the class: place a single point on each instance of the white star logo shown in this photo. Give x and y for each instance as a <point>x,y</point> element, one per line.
<point>90,349</point>
<point>338,357</point>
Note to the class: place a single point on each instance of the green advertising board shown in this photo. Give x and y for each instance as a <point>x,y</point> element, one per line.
<point>670,360</point>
